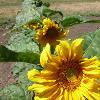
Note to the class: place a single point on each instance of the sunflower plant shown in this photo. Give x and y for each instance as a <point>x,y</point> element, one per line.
<point>49,65</point>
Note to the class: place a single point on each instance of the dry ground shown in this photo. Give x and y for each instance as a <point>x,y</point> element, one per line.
<point>68,8</point>
<point>77,7</point>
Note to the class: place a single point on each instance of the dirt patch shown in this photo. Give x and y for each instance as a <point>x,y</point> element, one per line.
<point>81,29</point>
<point>84,7</point>
<point>5,74</point>
<point>9,11</point>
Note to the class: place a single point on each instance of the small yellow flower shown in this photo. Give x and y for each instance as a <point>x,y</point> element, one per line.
<point>50,32</point>
<point>31,25</point>
<point>66,75</point>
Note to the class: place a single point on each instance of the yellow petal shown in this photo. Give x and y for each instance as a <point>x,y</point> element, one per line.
<point>70,96</point>
<point>63,50</point>
<point>48,92</point>
<point>76,95</point>
<point>38,88</point>
<point>90,64</point>
<point>88,83</point>
<point>37,98</point>
<point>84,91</point>
<point>65,95</point>
<point>92,73</point>
<point>56,94</point>
<point>76,49</point>
<point>52,66</point>
<point>48,75</point>
<point>96,96</point>
<point>32,73</point>
<point>41,77</point>
<point>45,55</point>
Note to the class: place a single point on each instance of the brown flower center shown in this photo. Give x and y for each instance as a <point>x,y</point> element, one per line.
<point>52,34</point>
<point>69,75</point>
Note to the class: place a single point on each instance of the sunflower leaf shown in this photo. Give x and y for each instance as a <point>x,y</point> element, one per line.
<point>71,20</point>
<point>53,14</point>
<point>14,92</point>
<point>28,12</point>
<point>91,44</point>
<point>7,55</point>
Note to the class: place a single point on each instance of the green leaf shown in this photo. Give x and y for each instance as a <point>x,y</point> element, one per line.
<point>23,41</point>
<point>28,13</point>
<point>20,71</point>
<point>12,92</point>
<point>92,44</point>
<point>7,55</point>
<point>53,14</point>
<point>71,20</point>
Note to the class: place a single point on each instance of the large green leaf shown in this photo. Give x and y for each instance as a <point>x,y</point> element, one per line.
<point>71,20</point>
<point>53,14</point>
<point>76,19</point>
<point>23,41</point>
<point>92,44</point>
<point>14,92</point>
<point>7,55</point>
<point>28,12</point>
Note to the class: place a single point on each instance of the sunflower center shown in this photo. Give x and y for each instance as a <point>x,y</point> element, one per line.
<point>52,33</point>
<point>70,75</point>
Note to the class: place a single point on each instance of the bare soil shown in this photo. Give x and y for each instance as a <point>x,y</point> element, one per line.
<point>75,31</point>
<point>77,7</point>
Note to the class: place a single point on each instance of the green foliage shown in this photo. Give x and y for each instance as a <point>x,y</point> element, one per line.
<point>23,41</point>
<point>7,55</point>
<point>53,14</point>
<point>71,20</point>
<point>14,92</point>
<point>92,44</point>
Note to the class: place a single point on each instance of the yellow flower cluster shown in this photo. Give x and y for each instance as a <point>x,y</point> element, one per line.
<point>66,74</point>
<point>50,32</point>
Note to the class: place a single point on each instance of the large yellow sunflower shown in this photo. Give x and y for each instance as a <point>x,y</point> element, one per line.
<point>66,75</point>
<point>50,32</point>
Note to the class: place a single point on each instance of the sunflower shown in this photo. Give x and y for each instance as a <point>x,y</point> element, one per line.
<point>50,32</point>
<point>32,25</point>
<point>67,75</point>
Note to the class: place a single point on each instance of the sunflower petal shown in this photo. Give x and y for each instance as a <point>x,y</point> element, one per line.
<point>76,95</point>
<point>92,73</point>
<point>48,92</point>
<point>40,77</point>
<point>56,95</point>
<point>84,91</point>
<point>90,64</point>
<point>52,66</point>
<point>76,49</point>
<point>38,88</point>
<point>65,95</point>
<point>45,56</point>
<point>63,49</point>
<point>95,95</point>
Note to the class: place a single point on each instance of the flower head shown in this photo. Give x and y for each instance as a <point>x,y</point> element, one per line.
<point>32,25</point>
<point>50,32</point>
<point>66,75</point>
